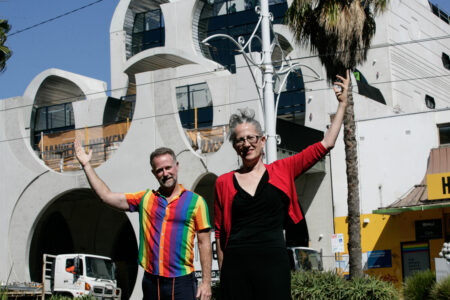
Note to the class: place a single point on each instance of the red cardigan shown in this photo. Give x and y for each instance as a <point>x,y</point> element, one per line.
<point>282,174</point>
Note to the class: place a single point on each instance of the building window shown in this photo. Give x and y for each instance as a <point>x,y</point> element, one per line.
<point>429,102</point>
<point>235,18</point>
<point>194,106</point>
<point>54,118</point>
<point>444,134</point>
<point>446,61</point>
<point>440,13</point>
<point>292,98</point>
<point>119,110</point>
<point>148,31</point>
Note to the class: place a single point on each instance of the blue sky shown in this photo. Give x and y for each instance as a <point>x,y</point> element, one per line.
<point>77,43</point>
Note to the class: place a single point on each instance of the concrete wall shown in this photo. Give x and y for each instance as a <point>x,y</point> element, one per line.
<point>392,157</point>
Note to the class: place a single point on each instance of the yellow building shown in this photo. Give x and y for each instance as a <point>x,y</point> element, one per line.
<point>407,235</point>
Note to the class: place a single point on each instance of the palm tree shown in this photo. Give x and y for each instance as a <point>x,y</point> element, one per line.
<point>340,31</point>
<point>5,52</point>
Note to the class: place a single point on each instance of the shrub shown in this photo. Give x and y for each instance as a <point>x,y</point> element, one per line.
<point>369,287</point>
<point>316,285</point>
<point>441,290</point>
<point>418,286</point>
<point>329,285</point>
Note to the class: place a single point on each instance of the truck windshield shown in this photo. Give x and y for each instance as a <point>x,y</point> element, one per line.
<point>308,260</point>
<point>100,268</point>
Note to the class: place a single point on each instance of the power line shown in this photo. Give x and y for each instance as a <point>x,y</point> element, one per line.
<point>210,72</point>
<point>244,101</point>
<point>54,18</point>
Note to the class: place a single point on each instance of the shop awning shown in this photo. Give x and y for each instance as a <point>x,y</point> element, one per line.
<point>417,198</point>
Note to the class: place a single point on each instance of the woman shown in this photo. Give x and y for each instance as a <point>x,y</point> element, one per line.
<point>252,204</point>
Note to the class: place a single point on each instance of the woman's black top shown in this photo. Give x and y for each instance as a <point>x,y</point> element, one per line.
<point>257,221</point>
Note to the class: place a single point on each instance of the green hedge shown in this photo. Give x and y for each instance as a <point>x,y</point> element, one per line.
<point>329,285</point>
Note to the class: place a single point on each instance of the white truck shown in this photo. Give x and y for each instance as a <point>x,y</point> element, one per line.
<point>305,259</point>
<point>72,275</point>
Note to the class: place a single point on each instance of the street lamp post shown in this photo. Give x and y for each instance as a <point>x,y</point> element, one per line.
<point>265,65</point>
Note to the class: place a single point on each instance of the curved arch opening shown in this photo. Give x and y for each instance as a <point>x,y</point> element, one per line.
<point>77,222</point>
<point>205,188</point>
<point>52,108</point>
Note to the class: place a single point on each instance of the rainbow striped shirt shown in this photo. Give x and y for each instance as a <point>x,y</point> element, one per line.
<point>167,230</point>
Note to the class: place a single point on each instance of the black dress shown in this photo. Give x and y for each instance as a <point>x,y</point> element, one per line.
<point>256,263</point>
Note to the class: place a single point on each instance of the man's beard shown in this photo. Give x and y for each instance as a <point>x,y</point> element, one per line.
<point>168,182</point>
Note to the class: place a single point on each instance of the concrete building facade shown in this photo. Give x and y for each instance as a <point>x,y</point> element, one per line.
<point>169,89</point>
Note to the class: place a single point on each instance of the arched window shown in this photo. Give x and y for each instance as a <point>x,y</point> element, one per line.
<point>52,108</point>
<point>148,31</point>
<point>194,106</point>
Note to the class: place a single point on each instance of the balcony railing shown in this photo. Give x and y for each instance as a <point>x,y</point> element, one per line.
<point>207,140</point>
<point>57,150</point>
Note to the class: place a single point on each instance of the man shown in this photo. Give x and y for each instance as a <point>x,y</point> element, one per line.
<point>169,218</point>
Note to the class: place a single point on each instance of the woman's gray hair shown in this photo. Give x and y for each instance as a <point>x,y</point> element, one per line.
<point>246,115</point>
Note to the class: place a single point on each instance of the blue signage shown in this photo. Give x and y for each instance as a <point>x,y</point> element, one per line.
<point>379,259</point>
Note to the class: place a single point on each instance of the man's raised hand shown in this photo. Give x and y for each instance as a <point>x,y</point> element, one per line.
<point>81,154</point>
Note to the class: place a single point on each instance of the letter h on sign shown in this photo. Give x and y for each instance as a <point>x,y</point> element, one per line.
<point>446,185</point>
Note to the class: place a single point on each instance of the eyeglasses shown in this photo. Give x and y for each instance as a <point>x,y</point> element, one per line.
<point>252,139</point>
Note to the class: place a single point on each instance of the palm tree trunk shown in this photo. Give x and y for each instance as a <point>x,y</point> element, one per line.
<point>351,159</point>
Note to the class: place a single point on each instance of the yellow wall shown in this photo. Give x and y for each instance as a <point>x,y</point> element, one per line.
<point>385,232</point>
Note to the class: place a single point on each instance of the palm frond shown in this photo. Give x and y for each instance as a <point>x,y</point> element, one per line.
<point>5,52</point>
<point>340,31</point>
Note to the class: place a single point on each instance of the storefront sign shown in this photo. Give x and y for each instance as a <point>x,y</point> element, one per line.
<point>428,229</point>
<point>379,259</point>
<point>337,242</point>
<point>415,257</point>
<point>438,186</point>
